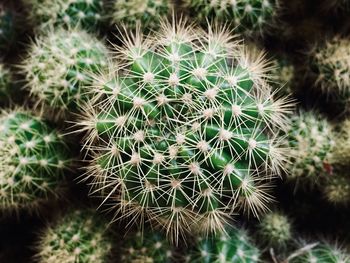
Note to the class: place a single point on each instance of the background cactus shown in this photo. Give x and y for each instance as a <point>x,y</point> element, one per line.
<point>284,72</point>
<point>146,247</point>
<point>337,189</point>
<point>33,158</point>
<point>70,13</point>
<point>59,66</point>
<point>79,236</point>
<point>7,28</point>
<point>5,82</point>
<point>186,130</point>
<point>146,13</point>
<point>234,247</point>
<point>247,16</point>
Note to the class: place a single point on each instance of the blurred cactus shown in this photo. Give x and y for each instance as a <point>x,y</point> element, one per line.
<point>33,158</point>
<point>60,65</point>
<point>79,236</point>
<point>284,72</point>
<point>5,83</point>
<point>7,29</point>
<point>337,189</point>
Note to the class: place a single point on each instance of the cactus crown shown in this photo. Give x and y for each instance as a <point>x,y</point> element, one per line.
<point>71,13</point>
<point>185,129</point>
<point>32,160</point>
<point>147,13</point>
<point>337,189</point>
<point>60,64</point>
<point>77,237</point>
<point>247,16</point>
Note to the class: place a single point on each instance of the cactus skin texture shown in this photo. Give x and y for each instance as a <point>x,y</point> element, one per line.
<point>275,230</point>
<point>78,236</point>
<point>146,247</point>
<point>87,14</point>
<point>312,139</point>
<point>322,253</point>
<point>7,28</point>
<point>185,137</point>
<point>5,83</point>
<point>146,13</point>
<point>33,158</point>
<point>234,247</point>
<point>249,17</point>
<point>60,65</point>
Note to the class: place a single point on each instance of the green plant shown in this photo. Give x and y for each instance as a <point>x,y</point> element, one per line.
<point>59,67</point>
<point>5,82</point>
<point>70,13</point>
<point>7,28</point>
<point>337,189</point>
<point>33,158</point>
<point>78,236</point>
<point>146,247</point>
<point>247,16</point>
<point>234,247</point>
<point>186,130</point>
<point>284,72</point>
<point>146,13</point>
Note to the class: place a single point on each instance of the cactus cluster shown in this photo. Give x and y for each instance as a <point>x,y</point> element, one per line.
<point>87,14</point>
<point>144,13</point>
<point>78,236</point>
<point>186,130</point>
<point>249,17</point>
<point>5,82</point>
<point>60,65</point>
<point>33,158</point>
<point>7,29</point>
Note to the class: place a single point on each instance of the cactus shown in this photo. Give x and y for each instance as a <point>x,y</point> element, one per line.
<point>185,131</point>
<point>5,82</point>
<point>337,189</point>
<point>7,28</point>
<point>78,236</point>
<point>33,158</point>
<point>312,139</point>
<point>275,230</point>
<point>146,247</point>
<point>249,17</point>
<point>284,71</point>
<point>60,65</point>
<point>234,247</point>
<point>70,13</point>
<point>145,13</point>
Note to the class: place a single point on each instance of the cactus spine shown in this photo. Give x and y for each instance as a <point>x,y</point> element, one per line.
<point>33,158</point>
<point>186,130</point>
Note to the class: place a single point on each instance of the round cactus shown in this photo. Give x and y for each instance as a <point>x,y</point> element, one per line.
<point>247,16</point>
<point>60,65</point>
<point>33,158</point>
<point>146,247</point>
<point>311,138</point>
<point>186,130</point>
<point>7,28</point>
<point>275,229</point>
<point>5,82</point>
<point>70,13</point>
<point>234,247</point>
<point>79,236</point>
<point>337,189</point>
<point>145,13</point>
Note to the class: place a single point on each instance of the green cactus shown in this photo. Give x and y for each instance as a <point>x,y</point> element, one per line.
<point>185,133</point>
<point>33,158</point>
<point>60,65</point>
<point>234,247</point>
<point>275,230</point>
<point>284,72</point>
<point>337,189</point>
<point>311,138</point>
<point>145,13</point>
<point>78,236</point>
<point>249,17</point>
<point>146,247</point>
<point>87,14</point>
<point>7,28</point>
<point>5,82</point>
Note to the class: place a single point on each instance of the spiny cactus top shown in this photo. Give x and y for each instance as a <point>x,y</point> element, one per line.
<point>247,16</point>
<point>33,158</point>
<point>185,129</point>
<point>145,12</point>
<point>5,82</point>
<point>71,13</point>
<point>146,247</point>
<point>337,189</point>
<point>312,139</point>
<point>7,28</point>
<point>60,64</point>
<point>234,247</point>
<point>79,236</point>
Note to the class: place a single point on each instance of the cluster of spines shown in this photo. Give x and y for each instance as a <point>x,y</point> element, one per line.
<point>87,14</point>
<point>60,65</point>
<point>78,236</point>
<point>185,129</point>
<point>7,28</point>
<point>284,72</point>
<point>250,17</point>
<point>33,159</point>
